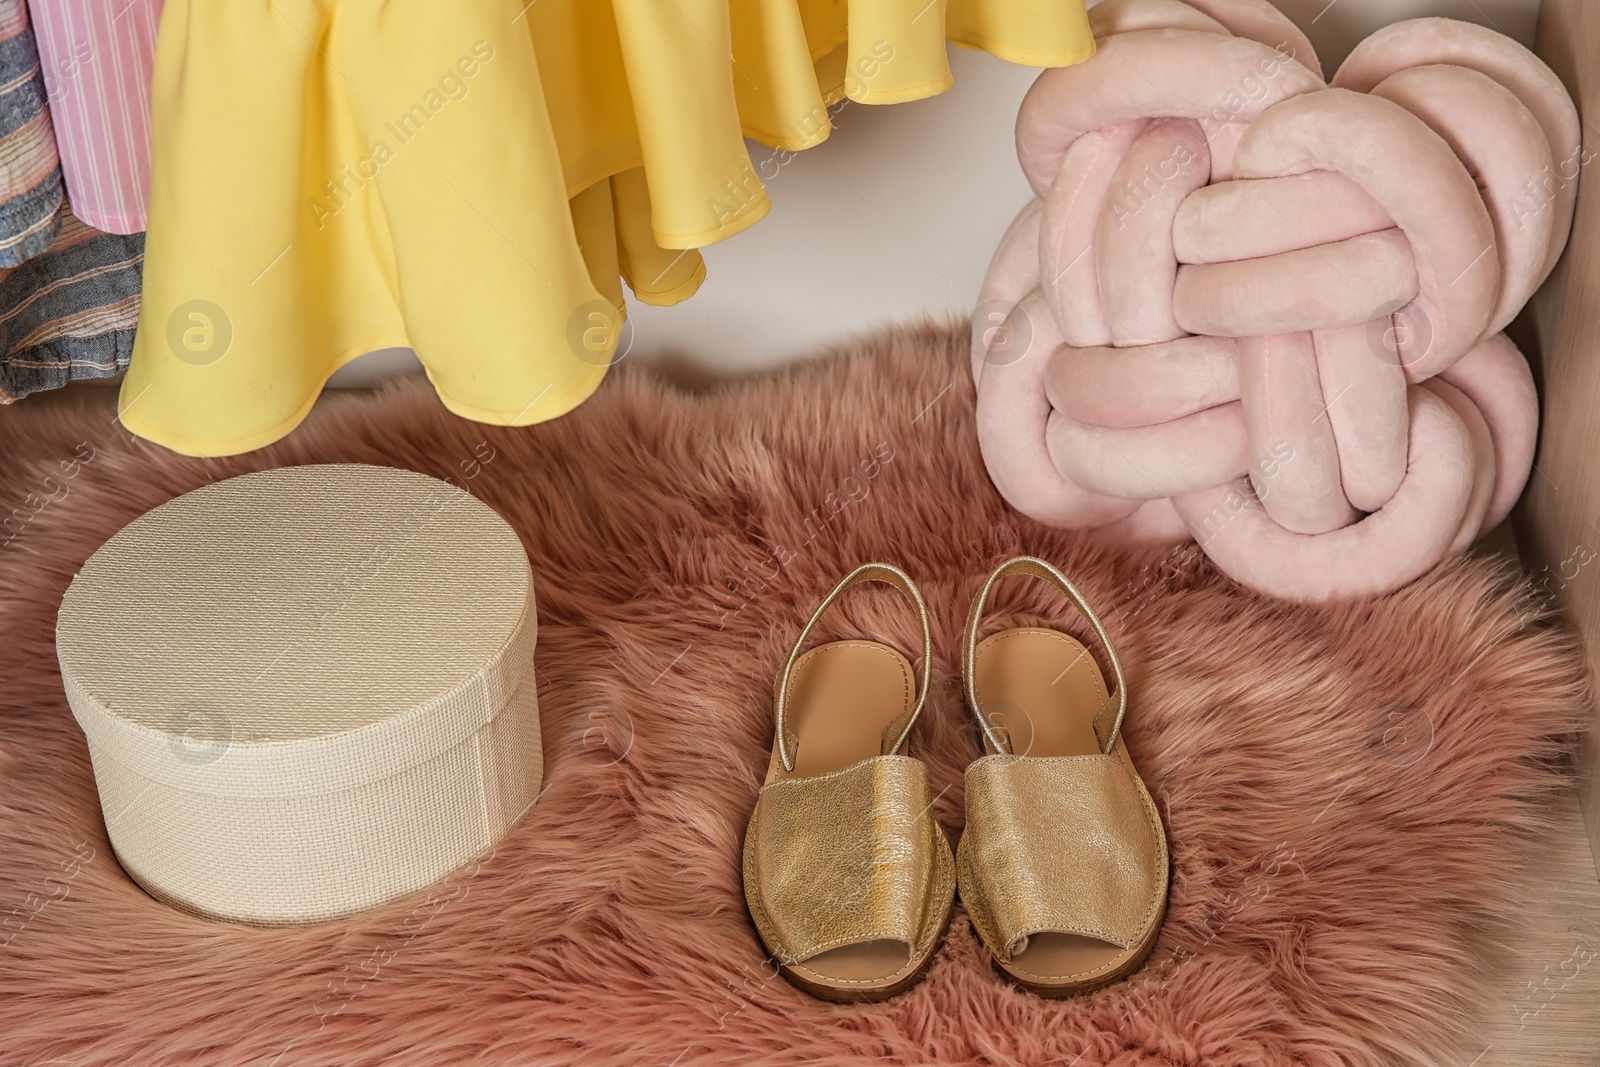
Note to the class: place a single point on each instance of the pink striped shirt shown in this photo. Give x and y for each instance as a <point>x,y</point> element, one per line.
<point>98,57</point>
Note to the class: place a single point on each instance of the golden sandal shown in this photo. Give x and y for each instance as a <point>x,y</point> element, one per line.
<point>847,873</point>
<point>1063,865</point>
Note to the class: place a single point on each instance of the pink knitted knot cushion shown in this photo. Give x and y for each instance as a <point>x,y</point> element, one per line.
<point>1261,312</point>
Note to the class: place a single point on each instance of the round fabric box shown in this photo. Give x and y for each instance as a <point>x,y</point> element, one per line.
<point>306,691</point>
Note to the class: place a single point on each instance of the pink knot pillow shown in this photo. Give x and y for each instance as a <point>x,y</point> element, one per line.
<point>1262,312</point>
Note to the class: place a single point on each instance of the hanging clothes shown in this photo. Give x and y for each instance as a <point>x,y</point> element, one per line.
<point>98,57</point>
<point>68,313</point>
<point>475,180</point>
<point>30,172</point>
<point>69,295</point>
<point>674,88</point>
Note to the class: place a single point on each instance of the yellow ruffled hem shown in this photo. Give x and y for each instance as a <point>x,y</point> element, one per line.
<point>675,89</point>
<point>153,430</point>
<point>544,411</point>
<point>487,193</point>
<point>1024,57</point>
<point>675,294</point>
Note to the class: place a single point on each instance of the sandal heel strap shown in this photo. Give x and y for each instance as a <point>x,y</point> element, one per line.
<point>1107,732</point>
<point>900,728</point>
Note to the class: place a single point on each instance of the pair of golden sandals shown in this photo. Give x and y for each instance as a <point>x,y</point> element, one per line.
<point>1063,864</point>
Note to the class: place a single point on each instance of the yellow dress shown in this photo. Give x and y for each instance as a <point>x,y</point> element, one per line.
<point>475,179</point>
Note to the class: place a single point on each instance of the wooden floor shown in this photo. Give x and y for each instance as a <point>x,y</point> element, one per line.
<point>1545,1010</point>
<point>1546,1006</point>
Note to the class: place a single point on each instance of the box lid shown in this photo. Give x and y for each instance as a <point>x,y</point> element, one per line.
<point>297,631</point>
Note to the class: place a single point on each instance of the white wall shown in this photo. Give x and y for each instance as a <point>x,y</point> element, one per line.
<point>897,213</point>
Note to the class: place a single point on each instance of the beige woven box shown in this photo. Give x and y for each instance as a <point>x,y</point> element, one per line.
<point>306,691</point>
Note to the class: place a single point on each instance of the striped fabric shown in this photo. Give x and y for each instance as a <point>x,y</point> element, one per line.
<point>98,58</point>
<point>70,312</point>
<point>30,175</point>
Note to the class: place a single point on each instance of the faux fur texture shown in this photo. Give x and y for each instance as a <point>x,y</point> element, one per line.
<point>1345,786</point>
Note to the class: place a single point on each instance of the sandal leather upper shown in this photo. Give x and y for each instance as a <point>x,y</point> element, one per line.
<point>846,858</point>
<point>1066,844</point>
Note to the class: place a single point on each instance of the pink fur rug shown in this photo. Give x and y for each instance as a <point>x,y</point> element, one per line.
<point>1344,786</point>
